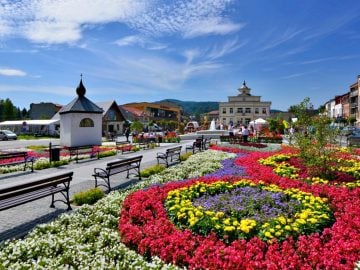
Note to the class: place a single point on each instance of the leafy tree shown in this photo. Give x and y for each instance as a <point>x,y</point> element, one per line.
<point>137,126</point>
<point>316,141</point>
<point>7,110</point>
<point>24,113</point>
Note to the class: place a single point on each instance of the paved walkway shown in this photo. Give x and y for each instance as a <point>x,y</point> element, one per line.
<point>17,221</point>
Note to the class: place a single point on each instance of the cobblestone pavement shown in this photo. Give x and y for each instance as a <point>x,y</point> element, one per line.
<point>17,221</point>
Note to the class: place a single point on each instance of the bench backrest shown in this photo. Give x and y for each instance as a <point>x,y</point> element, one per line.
<point>12,191</point>
<point>123,162</point>
<point>173,150</point>
<point>13,155</point>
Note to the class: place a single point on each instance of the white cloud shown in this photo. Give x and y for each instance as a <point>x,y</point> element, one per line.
<point>211,26</point>
<point>39,89</point>
<point>48,21</point>
<point>188,18</point>
<point>294,75</point>
<point>225,48</point>
<point>140,41</point>
<point>12,72</point>
<point>279,39</point>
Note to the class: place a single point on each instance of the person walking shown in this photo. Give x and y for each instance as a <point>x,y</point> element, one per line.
<point>127,133</point>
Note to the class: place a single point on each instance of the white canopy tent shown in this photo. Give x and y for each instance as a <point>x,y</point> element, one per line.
<point>258,123</point>
<point>48,127</point>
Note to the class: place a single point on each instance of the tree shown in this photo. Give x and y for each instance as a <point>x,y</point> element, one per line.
<point>7,110</point>
<point>137,126</point>
<point>316,141</point>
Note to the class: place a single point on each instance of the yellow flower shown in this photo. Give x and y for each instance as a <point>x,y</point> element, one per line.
<point>229,228</point>
<point>226,221</point>
<point>219,214</point>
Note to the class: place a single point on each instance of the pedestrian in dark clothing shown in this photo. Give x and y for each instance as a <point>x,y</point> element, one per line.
<point>127,133</point>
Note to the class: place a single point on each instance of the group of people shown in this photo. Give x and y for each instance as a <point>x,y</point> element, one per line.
<point>243,131</point>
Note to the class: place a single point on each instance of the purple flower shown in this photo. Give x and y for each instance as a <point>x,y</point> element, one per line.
<point>250,203</point>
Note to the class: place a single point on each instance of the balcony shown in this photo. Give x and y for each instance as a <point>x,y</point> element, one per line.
<point>354,93</point>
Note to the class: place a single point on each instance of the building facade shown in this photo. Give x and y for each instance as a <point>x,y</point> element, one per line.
<point>113,120</point>
<point>243,108</point>
<point>43,110</point>
<point>354,100</point>
<point>158,111</point>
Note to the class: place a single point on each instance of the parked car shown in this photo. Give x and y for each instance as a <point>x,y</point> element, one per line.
<point>354,138</point>
<point>348,130</point>
<point>7,135</point>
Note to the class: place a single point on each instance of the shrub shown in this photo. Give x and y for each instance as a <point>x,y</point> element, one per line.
<point>90,196</point>
<point>44,163</point>
<point>37,147</point>
<point>185,156</point>
<point>152,170</point>
<point>107,153</point>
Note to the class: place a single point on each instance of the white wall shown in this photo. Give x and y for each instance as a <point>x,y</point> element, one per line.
<point>71,134</point>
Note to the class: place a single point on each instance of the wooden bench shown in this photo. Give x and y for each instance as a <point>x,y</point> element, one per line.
<point>197,145</point>
<point>129,165</point>
<point>206,143</point>
<point>172,155</point>
<point>85,149</point>
<point>16,158</point>
<point>20,194</point>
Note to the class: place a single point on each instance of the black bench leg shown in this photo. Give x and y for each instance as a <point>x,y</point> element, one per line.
<point>108,183</point>
<point>52,205</point>
<point>68,200</point>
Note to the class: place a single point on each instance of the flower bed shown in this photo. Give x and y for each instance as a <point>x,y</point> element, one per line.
<point>59,245</point>
<point>145,226</point>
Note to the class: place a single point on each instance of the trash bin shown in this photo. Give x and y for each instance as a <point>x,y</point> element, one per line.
<point>54,154</point>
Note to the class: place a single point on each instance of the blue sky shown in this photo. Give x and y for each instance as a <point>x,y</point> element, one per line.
<point>133,50</point>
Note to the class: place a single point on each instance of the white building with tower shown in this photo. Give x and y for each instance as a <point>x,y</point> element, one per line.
<point>80,121</point>
<point>243,108</point>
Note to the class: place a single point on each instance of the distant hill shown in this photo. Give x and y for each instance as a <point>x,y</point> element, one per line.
<point>195,107</point>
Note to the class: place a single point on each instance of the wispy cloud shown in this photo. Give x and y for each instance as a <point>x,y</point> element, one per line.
<point>141,41</point>
<point>333,58</point>
<point>56,22</point>
<point>225,48</point>
<point>38,89</point>
<point>188,18</point>
<point>294,75</point>
<point>330,25</point>
<point>12,72</point>
<point>276,40</point>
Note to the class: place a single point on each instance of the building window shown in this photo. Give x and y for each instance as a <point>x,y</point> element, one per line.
<point>224,120</point>
<point>247,121</point>
<point>264,111</point>
<point>231,110</point>
<point>224,111</point>
<point>247,110</point>
<point>111,115</point>
<point>86,122</point>
<point>256,110</point>
<point>240,110</point>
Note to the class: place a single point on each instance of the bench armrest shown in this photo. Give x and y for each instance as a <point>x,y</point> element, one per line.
<point>160,154</point>
<point>97,171</point>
